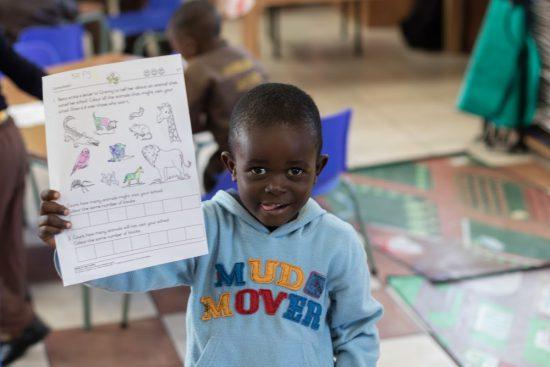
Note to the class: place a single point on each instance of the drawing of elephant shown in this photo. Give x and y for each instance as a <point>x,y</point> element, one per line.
<point>165,161</point>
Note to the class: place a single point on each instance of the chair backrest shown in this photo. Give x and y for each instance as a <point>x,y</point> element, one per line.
<point>38,52</point>
<point>223,182</point>
<point>163,4</point>
<point>66,39</point>
<point>335,144</point>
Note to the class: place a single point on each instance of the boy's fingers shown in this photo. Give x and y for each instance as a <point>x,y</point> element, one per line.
<point>51,207</point>
<point>52,220</point>
<point>47,195</point>
<point>48,231</point>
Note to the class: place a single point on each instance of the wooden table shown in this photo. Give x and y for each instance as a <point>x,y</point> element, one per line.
<point>35,136</point>
<point>251,21</point>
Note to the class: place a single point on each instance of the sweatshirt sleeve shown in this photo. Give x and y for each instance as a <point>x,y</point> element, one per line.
<point>353,311</point>
<point>22,72</point>
<point>148,279</point>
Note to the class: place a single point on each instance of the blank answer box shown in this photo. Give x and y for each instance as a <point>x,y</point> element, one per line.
<point>104,249</point>
<point>158,238</point>
<point>177,234</point>
<point>140,241</point>
<point>135,211</point>
<point>193,232</point>
<point>189,202</point>
<point>99,217</point>
<point>85,253</point>
<point>80,221</point>
<point>117,214</point>
<point>172,205</point>
<point>122,245</point>
<point>154,208</point>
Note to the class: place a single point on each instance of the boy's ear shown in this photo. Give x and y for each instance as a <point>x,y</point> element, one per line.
<point>229,163</point>
<point>321,163</point>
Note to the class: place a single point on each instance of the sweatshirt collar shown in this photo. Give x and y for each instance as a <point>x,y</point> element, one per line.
<point>308,213</point>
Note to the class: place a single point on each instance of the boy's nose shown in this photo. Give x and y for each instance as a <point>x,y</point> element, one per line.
<point>274,187</point>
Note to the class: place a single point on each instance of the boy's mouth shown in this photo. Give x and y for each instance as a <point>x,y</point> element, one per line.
<point>273,208</point>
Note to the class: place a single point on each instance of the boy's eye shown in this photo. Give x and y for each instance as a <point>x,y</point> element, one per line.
<point>295,171</point>
<point>258,171</point>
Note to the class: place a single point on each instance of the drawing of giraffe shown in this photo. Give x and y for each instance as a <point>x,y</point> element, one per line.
<point>165,114</point>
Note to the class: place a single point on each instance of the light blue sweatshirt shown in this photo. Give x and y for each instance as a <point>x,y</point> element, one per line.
<point>297,296</point>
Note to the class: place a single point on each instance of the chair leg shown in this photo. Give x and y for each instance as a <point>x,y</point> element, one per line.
<point>362,227</point>
<point>275,31</point>
<point>86,303</point>
<point>125,310</point>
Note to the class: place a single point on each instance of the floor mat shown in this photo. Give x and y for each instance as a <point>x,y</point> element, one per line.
<point>451,218</point>
<point>500,321</point>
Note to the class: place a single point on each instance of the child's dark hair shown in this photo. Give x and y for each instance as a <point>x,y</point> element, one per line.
<point>198,19</point>
<point>272,104</point>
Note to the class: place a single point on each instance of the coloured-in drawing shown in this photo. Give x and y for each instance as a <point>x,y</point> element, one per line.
<point>82,160</point>
<point>109,178</point>
<point>118,152</point>
<point>133,176</point>
<point>141,132</point>
<point>76,137</point>
<point>168,163</point>
<point>113,78</point>
<point>138,113</point>
<point>81,184</point>
<point>166,114</point>
<point>104,125</point>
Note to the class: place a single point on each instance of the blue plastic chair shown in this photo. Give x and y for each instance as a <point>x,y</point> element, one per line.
<point>154,17</point>
<point>38,52</point>
<point>335,143</point>
<point>66,39</point>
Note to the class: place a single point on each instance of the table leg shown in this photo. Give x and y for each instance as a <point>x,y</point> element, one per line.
<point>251,30</point>
<point>358,47</point>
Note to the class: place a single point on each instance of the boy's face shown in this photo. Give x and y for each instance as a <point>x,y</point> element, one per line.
<point>275,169</point>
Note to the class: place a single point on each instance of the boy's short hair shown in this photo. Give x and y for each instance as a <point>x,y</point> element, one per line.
<point>196,18</point>
<point>272,104</point>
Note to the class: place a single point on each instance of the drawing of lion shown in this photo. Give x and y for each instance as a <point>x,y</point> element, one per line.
<point>165,161</point>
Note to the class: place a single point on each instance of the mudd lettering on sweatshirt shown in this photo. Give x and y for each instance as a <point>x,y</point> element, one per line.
<point>296,297</point>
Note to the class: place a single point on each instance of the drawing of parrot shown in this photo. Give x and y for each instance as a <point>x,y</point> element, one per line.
<point>82,160</point>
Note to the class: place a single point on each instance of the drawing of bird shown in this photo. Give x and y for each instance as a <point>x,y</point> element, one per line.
<point>82,160</point>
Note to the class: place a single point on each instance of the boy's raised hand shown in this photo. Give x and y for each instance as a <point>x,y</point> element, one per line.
<point>50,224</point>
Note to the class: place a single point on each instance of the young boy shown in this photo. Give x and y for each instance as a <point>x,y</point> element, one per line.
<point>284,283</point>
<point>216,77</point>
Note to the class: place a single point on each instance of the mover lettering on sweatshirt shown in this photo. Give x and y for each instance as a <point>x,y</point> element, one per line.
<point>299,309</point>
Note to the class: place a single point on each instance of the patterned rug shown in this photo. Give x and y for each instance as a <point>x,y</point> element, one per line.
<point>498,321</point>
<point>451,218</point>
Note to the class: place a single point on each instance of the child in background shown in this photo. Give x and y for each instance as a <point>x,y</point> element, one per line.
<point>284,283</point>
<point>217,75</point>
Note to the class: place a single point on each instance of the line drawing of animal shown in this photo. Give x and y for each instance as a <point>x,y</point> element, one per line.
<point>104,125</point>
<point>78,138</point>
<point>109,178</point>
<point>138,113</point>
<point>118,152</point>
<point>165,161</point>
<point>82,160</point>
<point>133,176</point>
<point>141,132</point>
<point>81,184</point>
<point>166,114</point>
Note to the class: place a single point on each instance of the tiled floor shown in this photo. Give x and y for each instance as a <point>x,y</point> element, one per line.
<point>403,103</point>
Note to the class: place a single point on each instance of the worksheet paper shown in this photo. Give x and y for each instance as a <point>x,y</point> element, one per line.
<point>120,152</point>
